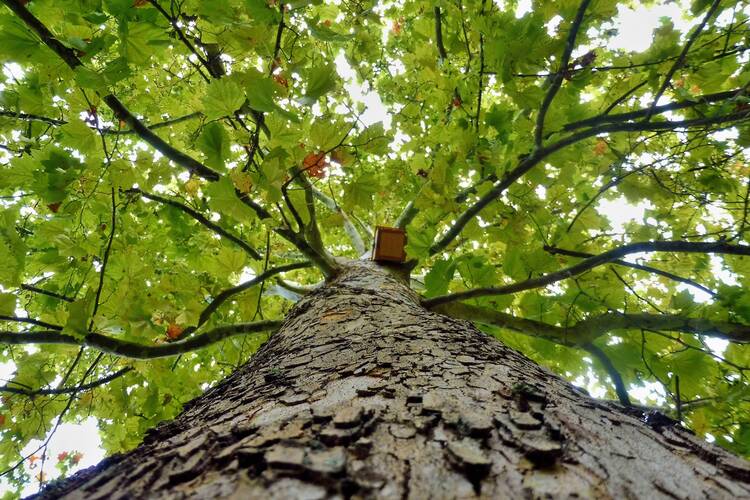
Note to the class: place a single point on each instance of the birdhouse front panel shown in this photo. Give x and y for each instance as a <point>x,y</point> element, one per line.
<point>390,245</point>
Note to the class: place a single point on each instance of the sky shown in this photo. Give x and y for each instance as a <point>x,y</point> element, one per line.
<point>635,28</point>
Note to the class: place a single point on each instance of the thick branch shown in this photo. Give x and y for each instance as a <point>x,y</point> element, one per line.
<point>351,230</point>
<point>681,59</point>
<point>585,331</point>
<point>656,110</point>
<point>229,292</point>
<point>557,78</point>
<point>528,162</point>
<point>640,267</point>
<point>408,214</point>
<point>120,111</point>
<point>326,266</point>
<point>297,288</point>
<point>601,357</point>
<point>134,350</point>
<point>312,231</point>
<point>439,35</point>
<point>720,247</point>
<point>201,219</point>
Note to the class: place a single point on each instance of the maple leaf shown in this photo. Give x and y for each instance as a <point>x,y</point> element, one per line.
<point>281,80</point>
<point>600,148</point>
<point>174,331</point>
<point>315,164</point>
<point>397,26</point>
<point>192,186</point>
<point>242,181</point>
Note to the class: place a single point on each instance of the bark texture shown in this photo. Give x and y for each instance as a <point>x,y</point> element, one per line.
<point>365,394</point>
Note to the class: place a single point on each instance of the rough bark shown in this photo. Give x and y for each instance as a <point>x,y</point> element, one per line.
<point>364,393</point>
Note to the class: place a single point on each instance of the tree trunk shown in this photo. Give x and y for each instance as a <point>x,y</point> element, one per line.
<point>364,393</point>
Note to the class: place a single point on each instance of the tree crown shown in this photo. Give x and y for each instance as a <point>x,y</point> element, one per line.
<point>174,175</point>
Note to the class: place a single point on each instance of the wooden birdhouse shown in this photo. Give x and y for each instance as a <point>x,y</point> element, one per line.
<point>390,245</point>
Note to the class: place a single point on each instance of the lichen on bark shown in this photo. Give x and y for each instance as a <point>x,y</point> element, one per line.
<point>363,393</point>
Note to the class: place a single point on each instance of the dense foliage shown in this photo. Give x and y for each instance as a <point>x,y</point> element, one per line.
<point>174,174</point>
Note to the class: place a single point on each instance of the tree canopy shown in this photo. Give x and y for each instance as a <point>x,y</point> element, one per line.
<point>175,174</point>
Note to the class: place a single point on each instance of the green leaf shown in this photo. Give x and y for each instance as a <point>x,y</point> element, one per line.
<point>513,264</point>
<point>90,79</point>
<point>80,136</point>
<point>326,34</point>
<point>16,41</point>
<point>223,98</point>
<point>419,241</point>
<point>437,280</point>
<point>139,40</point>
<point>7,304</point>
<point>223,199</point>
<point>214,142</point>
<point>260,91</point>
<point>79,315</point>
<point>359,193</point>
<point>373,139</point>
<point>321,79</point>
<point>14,250</point>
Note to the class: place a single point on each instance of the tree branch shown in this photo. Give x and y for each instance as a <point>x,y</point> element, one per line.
<point>601,357</point>
<point>351,230</point>
<point>640,267</point>
<point>681,59</point>
<point>202,219</point>
<point>41,291</point>
<point>528,162</point>
<point>312,231</point>
<point>157,125</point>
<point>67,390</point>
<point>407,215</point>
<point>439,35</point>
<point>641,113</point>
<point>105,259</point>
<point>31,321</point>
<point>719,247</point>
<point>32,118</point>
<point>108,131</point>
<point>120,111</point>
<point>587,330</point>
<point>296,287</point>
<point>557,78</point>
<point>229,292</point>
<point>180,34</point>
<point>325,265</point>
<point>135,350</point>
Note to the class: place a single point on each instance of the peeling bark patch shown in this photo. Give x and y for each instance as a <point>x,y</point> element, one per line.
<point>365,394</point>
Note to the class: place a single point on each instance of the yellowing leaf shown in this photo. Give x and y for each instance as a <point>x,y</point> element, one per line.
<point>242,181</point>
<point>600,148</point>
